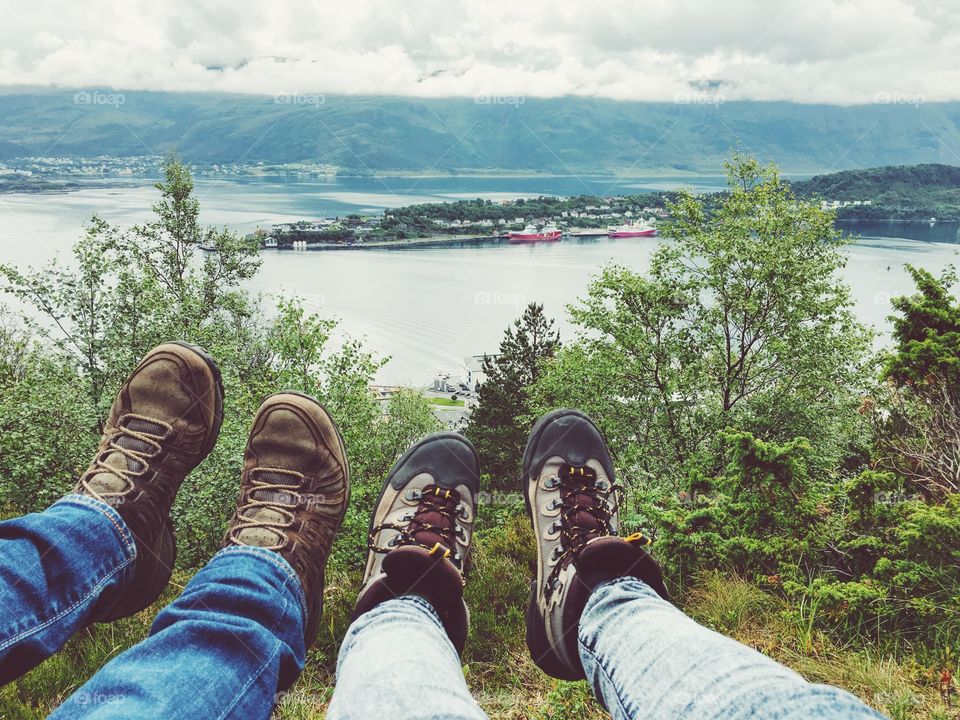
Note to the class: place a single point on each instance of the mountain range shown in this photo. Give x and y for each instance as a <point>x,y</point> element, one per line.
<point>462,135</point>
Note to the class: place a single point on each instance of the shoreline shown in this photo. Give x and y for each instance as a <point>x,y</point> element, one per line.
<point>433,241</point>
<point>471,240</point>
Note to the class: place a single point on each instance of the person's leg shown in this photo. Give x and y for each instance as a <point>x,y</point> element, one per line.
<point>644,657</point>
<point>106,550</point>
<point>222,649</point>
<point>238,633</point>
<point>397,661</point>
<point>598,608</point>
<point>55,567</point>
<point>400,657</point>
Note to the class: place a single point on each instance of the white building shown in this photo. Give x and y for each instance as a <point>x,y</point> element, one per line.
<point>471,371</point>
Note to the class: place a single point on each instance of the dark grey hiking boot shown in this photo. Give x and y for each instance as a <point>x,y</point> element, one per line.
<point>572,500</point>
<point>163,423</point>
<point>294,491</point>
<point>421,529</point>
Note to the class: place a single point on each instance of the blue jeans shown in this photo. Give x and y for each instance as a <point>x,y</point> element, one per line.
<point>233,640</point>
<point>222,649</point>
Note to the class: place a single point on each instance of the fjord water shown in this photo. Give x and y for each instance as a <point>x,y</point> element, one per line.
<point>428,307</point>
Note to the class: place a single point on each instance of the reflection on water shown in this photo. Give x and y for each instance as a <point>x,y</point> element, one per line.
<point>945,232</point>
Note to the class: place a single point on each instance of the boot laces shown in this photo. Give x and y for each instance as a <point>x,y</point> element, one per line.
<point>274,489</point>
<point>586,510</point>
<point>433,525</point>
<point>137,439</point>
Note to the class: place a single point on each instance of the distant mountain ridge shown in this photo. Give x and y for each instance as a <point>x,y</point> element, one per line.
<point>394,134</point>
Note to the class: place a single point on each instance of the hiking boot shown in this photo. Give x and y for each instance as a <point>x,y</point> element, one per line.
<point>572,500</point>
<point>421,529</point>
<point>294,491</point>
<point>163,423</point>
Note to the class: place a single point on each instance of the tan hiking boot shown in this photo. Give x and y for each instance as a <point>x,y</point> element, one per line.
<point>421,529</point>
<point>163,423</point>
<point>294,491</point>
<point>572,501</point>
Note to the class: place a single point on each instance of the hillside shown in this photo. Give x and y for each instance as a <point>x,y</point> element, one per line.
<point>915,192</point>
<point>560,135</point>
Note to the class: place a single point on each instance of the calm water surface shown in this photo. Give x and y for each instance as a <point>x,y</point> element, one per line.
<point>424,308</point>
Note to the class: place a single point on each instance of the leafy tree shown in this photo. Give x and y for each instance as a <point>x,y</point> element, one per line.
<point>44,421</point>
<point>926,330</point>
<point>126,292</point>
<point>741,321</point>
<point>498,426</point>
<point>917,414</point>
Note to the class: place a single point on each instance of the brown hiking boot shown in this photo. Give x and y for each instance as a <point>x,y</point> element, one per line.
<point>163,423</point>
<point>572,500</point>
<point>294,491</point>
<point>421,529</point>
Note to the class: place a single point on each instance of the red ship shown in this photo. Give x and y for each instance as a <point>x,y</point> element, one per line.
<point>638,230</point>
<point>530,234</point>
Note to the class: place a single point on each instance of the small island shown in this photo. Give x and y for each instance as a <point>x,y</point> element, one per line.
<point>864,201</point>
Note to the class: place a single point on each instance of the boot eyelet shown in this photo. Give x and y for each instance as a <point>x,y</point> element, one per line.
<point>462,512</point>
<point>551,482</point>
<point>461,534</point>
<point>601,485</point>
<point>412,495</point>
<point>392,542</point>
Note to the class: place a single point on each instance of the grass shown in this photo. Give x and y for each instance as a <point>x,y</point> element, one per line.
<point>445,401</point>
<point>497,666</point>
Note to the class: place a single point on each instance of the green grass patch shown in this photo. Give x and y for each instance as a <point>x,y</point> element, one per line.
<point>497,666</point>
<point>445,401</point>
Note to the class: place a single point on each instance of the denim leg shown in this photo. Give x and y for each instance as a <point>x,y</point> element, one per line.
<point>223,649</point>
<point>646,659</point>
<point>397,662</point>
<point>54,568</point>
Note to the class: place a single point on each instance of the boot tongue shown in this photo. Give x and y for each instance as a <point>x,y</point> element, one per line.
<point>440,523</point>
<point>586,516</point>
<point>266,533</point>
<point>105,482</point>
<point>587,507</point>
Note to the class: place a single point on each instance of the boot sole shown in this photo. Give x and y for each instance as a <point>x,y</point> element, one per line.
<point>310,633</point>
<point>540,650</point>
<point>218,379</point>
<point>168,537</point>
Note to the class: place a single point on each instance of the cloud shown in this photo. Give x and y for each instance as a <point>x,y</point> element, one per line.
<point>835,51</point>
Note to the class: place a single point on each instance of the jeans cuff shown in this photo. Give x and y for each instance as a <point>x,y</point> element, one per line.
<point>420,603</point>
<point>277,560</point>
<point>127,541</point>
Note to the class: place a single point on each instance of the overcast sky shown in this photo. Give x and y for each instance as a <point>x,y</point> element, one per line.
<point>838,51</point>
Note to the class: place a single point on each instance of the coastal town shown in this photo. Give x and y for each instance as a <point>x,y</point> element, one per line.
<point>539,218</point>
